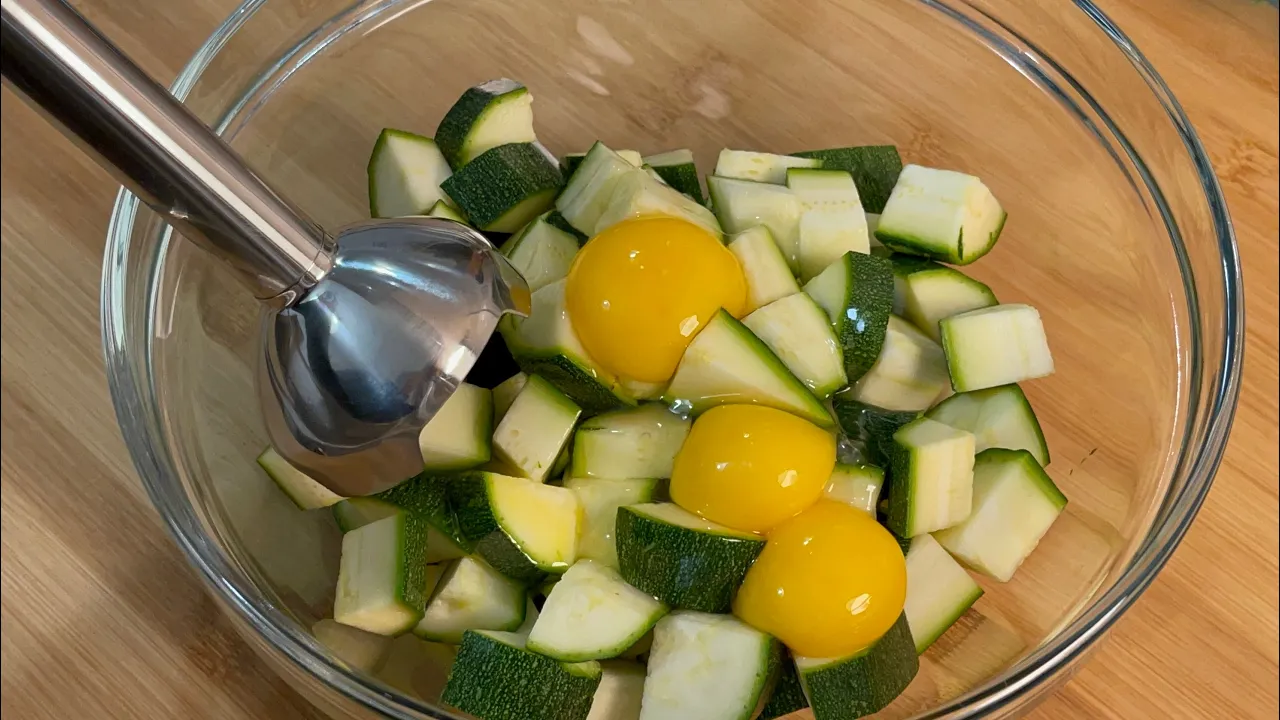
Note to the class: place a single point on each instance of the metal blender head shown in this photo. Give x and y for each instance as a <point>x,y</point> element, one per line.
<point>364,337</point>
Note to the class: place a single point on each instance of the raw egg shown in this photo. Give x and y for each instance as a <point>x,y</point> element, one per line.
<point>751,467</point>
<point>829,583</point>
<point>639,291</point>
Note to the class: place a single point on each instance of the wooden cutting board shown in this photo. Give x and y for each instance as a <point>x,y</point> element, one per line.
<point>102,618</point>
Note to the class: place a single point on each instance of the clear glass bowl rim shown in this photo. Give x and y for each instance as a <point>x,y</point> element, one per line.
<point>134,405</point>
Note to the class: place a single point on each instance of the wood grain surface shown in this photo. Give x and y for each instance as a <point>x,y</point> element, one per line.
<point>102,618</point>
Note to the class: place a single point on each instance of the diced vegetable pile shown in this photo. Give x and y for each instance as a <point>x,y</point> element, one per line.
<point>540,538</point>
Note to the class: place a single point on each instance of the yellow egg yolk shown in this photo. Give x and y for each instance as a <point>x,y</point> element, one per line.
<point>830,582</point>
<point>751,467</point>
<point>639,291</point>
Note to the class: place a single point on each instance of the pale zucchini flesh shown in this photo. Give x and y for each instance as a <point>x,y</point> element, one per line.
<point>932,469</point>
<point>939,591</point>
<point>495,113</point>
<point>592,614</point>
<point>458,436</point>
<point>727,364</point>
<point>589,190</point>
<point>743,204</point>
<point>857,486</point>
<point>542,252</point>
<point>364,651</point>
<point>941,292</point>
<point>1014,505</point>
<point>764,267</point>
<point>471,595</point>
<point>600,499</point>
<point>535,429</point>
<point>306,493</point>
<point>405,173</point>
<point>909,374</point>
<point>639,442</point>
<point>994,346</point>
<point>620,692</point>
<point>998,417</point>
<point>707,667</point>
<point>800,334</point>
<point>760,167</point>
<point>942,214</point>
<point>383,577</point>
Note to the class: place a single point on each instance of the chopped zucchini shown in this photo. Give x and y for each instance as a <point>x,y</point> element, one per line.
<point>556,220</point>
<point>505,393</point>
<point>620,692</point>
<point>306,493</point>
<point>506,187</point>
<point>600,499</point>
<point>727,364</point>
<point>405,172</point>
<point>587,194</point>
<point>998,417</point>
<point>742,204</point>
<point>495,113</point>
<point>541,252</point>
<point>760,167</point>
<point>426,496</point>
<point>941,214</point>
<point>681,559</point>
<point>800,334</point>
<point>535,429</point>
<point>444,210</point>
<point>873,427</point>
<point>364,651</point>
<point>863,683</point>
<point>909,374</point>
<point>383,578</point>
<point>938,292</point>
<point>678,170</point>
<point>458,436</point>
<point>995,346</point>
<point>357,512</point>
<point>637,194</point>
<point>857,292</point>
<point>1014,504</point>
<point>875,170</point>
<point>632,156</point>
<point>639,442</point>
<point>524,529</point>
<point>545,344</point>
<point>570,162</point>
<point>787,695</point>
<point>831,222</point>
<point>856,486</point>
<point>763,266</point>
<point>496,678</point>
<point>939,591</point>
<point>592,614</point>
<point>471,595</point>
<point>707,667</point>
<point>932,469</point>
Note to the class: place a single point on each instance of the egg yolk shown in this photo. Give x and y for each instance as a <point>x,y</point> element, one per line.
<point>829,583</point>
<point>639,291</point>
<point>751,467</point>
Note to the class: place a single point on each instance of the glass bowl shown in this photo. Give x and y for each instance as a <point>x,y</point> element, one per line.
<point>1117,232</point>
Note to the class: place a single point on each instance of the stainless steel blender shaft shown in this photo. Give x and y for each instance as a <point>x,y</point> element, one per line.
<point>159,150</point>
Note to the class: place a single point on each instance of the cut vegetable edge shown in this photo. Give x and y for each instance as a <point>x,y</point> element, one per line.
<point>305,492</point>
<point>592,614</point>
<point>727,364</point>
